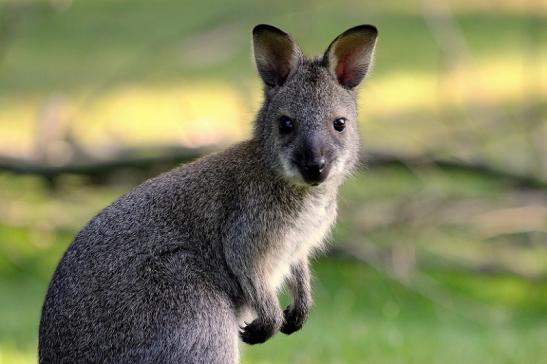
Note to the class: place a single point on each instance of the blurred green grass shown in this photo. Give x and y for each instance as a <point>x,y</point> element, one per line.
<point>362,313</point>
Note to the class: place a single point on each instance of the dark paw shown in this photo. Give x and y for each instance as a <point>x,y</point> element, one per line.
<point>256,332</point>
<point>293,321</point>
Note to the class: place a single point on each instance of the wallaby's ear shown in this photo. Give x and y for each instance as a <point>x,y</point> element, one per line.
<point>350,55</point>
<point>277,55</point>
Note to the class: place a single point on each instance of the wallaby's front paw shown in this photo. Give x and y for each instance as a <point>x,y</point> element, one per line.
<point>257,332</point>
<point>294,319</point>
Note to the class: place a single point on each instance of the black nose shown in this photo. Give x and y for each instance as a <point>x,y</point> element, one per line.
<point>314,171</point>
<point>319,165</point>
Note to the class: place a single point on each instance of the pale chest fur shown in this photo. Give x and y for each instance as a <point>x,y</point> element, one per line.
<point>299,239</point>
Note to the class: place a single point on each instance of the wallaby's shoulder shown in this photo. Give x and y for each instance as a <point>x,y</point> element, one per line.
<point>207,173</point>
<point>187,200</point>
<point>215,167</point>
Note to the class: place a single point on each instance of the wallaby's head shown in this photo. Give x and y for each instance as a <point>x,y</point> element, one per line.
<point>308,123</point>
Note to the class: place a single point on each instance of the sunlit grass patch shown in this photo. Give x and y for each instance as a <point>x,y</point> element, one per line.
<point>487,82</point>
<point>195,114</point>
<point>191,115</point>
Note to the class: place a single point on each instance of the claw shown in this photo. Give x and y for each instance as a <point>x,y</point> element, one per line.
<point>293,321</point>
<point>256,333</point>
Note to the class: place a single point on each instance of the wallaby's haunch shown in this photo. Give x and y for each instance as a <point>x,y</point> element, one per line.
<point>170,271</point>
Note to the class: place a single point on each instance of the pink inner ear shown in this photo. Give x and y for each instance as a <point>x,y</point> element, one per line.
<point>344,71</point>
<point>341,71</point>
<point>283,68</point>
<point>348,70</point>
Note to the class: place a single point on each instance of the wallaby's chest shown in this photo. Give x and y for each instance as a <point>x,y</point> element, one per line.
<point>297,239</point>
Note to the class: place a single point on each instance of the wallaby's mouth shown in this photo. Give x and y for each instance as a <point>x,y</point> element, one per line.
<point>314,180</point>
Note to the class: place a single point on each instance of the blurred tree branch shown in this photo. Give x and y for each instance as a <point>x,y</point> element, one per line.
<point>147,159</point>
<point>144,160</point>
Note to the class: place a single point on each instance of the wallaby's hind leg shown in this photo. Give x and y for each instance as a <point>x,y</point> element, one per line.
<point>210,335</point>
<point>189,320</point>
<point>164,313</point>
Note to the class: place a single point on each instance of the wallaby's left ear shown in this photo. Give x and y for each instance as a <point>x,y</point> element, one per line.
<point>350,55</point>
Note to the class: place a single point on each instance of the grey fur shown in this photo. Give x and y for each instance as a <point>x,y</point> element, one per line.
<point>167,273</point>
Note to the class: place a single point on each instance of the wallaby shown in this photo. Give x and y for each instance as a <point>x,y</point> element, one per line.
<point>169,272</point>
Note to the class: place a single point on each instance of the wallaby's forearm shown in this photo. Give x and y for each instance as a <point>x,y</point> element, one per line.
<point>300,287</point>
<point>256,292</point>
<point>260,297</point>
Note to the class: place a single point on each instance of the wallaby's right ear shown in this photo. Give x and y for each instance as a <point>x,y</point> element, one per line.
<point>349,57</point>
<point>276,54</point>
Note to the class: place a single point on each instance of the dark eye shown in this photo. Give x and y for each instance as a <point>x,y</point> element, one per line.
<point>339,124</point>
<point>286,125</point>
